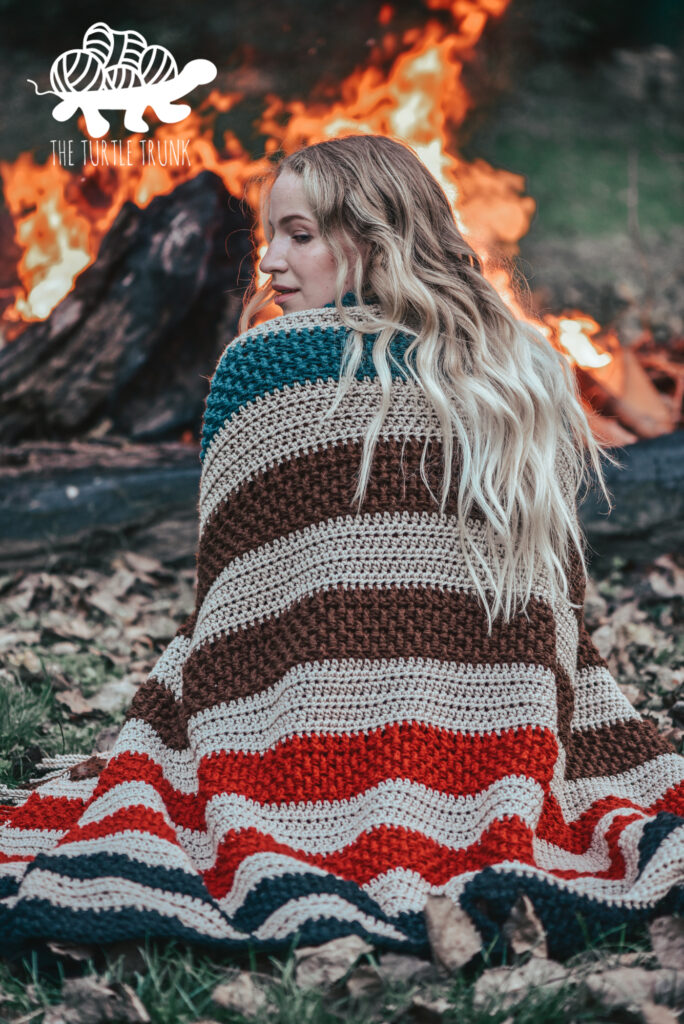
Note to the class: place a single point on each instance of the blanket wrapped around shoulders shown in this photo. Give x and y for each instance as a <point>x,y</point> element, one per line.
<point>332,735</point>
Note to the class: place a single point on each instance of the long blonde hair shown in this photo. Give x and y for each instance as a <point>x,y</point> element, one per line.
<point>494,380</point>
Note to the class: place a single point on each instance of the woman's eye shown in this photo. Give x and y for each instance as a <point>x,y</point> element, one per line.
<point>301,238</point>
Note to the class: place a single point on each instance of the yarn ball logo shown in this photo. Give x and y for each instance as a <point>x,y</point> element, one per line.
<point>119,71</point>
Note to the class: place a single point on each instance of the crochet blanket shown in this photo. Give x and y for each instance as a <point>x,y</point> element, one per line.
<point>332,735</point>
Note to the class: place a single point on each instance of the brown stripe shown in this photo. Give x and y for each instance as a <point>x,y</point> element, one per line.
<point>362,623</point>
<point>588,655</point>
<point>155,704</point>
<point>565,697</point>
<point>612,749</point>
<point>576,582</point>
<point>392,622</point>
<point>314,487</point>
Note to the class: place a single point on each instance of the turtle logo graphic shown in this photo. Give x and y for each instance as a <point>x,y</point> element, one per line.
<point>119,71</point>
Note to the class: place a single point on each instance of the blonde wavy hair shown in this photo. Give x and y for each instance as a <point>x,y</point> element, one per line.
<point>492,379</point>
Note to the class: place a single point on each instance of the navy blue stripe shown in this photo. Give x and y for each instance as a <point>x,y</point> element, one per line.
<point>8,886</point>
<point>271,893</point>
<point>96,865</point>
<point>571,921</point>
<point>653,834</point>
<point>40,919</point>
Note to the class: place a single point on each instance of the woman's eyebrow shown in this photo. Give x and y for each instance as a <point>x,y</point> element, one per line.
<point>290,216</point>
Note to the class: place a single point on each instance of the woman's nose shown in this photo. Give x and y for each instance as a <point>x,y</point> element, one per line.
<point>273,260</point>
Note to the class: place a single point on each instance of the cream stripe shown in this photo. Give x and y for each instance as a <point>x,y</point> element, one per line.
<point>599,700</point>
<point>179,767</point>
<point>324,826</point>
<point>27,842</point>
<point>253,868</point>
<point>168,669</point>
<point>664,870</point>
<point>567,636</point>
<point>289,422</point>
<point>371,550</point>
<point>136,845</point>
<point>643,785</point>
<point>597,857</point>
<point>410,894</point>
<point>351,697</point>
<point>292,914</point>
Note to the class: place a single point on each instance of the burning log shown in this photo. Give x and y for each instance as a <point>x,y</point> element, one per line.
<point>61,503</point>
<point>131,349</point>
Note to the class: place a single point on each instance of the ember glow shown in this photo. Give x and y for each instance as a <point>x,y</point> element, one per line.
<point>411,88</point>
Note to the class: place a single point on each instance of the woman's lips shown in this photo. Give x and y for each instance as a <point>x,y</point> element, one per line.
<point>280,296</point>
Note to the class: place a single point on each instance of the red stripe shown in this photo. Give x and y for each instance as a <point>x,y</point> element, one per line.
<point>329,767</point>
<point>380,850</point>
<point>575,836</point>
<point>46,812</point>
<point>616,868</point>
<point>137,817</point>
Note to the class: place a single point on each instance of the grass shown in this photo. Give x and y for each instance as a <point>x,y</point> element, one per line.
<point>175,984</point>
<point>33,720</point>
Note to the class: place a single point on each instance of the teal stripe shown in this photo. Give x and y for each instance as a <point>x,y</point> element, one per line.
<point>282,358</point>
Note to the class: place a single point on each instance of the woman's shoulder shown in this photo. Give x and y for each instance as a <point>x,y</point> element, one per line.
<point>293,350</point>
<point>283,352</point>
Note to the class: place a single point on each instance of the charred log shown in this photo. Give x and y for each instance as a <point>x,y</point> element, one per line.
<point>68,503</point>
<point>131,349</point>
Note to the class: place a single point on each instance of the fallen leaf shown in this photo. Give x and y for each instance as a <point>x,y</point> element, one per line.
<point>91,1001</point>
<point>453,937</point>
<point>69,626</point>
<point>119,583</point>
<point>79,582</point>
<point>623,988</point>
<point>107,603</point>
<point>652,1013</point>
<point>667,940</point>
<point>26,659</point>
<point>240,995</point>
<point>71,951</point>
<point>524,931</point>
<point>401,967</point>
<point>105,740</point>
<point>64,647</point>
<point>424,1010</point>
<point>75,702</point>
<point>22,636</point>
<point>322,966</point>
<point>117,693</point>
<point>661,585</point>
<point>142,563</point>
<point>365,982</point>
<point>88,769</point>
<point>507,986</point>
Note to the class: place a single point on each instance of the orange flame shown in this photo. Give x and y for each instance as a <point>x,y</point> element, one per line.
<point>61,218</point>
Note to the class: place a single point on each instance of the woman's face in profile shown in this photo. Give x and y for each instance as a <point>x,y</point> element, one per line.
<point>300,263</point>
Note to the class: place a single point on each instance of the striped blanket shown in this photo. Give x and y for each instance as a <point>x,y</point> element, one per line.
<point>333,735</point>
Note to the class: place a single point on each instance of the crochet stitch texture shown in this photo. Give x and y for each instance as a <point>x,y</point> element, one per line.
<point>332,735</point>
